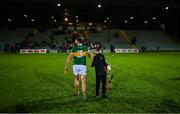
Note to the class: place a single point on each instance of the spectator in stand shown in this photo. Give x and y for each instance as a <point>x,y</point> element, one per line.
<point>133,41</point>
<point>85,35</point>
<point>143,48</point>
<point>0,49</point>
<point>65,37</point>
<point>112,50</point>
<point>158,48</point>
<point>65,47</point>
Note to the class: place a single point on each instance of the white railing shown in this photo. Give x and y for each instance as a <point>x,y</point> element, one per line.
<point>53,51</point>
<point>127,50</point>
<point>120,51</point>
<point>29,51</point>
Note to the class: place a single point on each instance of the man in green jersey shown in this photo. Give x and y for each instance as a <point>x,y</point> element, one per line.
<point>79,53</point>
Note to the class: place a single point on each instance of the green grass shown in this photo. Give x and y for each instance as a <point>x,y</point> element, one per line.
<point>145,82</point>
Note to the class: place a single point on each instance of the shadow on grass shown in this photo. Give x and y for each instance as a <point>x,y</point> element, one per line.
<point>175,79</point>
<point>167,106</point>
<point>41,105</point>
<point>70,104</point>
<point>61,104</point>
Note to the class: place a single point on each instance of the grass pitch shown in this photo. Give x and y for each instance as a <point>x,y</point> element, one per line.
<point>145,82</point>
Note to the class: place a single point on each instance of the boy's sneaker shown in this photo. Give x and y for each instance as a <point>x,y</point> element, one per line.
<point>104,96</point>
<point>98,97</point>
<point>84,98</point>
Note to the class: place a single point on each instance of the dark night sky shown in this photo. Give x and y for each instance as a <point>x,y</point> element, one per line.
<point>87,10</point>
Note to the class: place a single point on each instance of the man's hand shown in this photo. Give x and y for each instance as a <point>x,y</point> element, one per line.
<point>67,62</point>
<point>65,70</point>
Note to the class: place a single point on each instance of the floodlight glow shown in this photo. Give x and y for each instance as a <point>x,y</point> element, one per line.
<point>90,24</point>
<point>66,19</point>
<point>131,18</point>
<point>9,20</point>
<point>154,18</point>
<point>25,16</point>
<point>58,4</point>
<point>99,6</point>
<point>145,21</point>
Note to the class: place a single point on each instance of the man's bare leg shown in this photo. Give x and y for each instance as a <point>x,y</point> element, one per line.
<point>83,79</point>
<point>76,85</point>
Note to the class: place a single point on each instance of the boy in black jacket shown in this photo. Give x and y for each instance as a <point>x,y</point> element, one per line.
<point>100,67</point>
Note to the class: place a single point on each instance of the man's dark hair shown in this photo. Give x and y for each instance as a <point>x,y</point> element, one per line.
<point>78,38</point>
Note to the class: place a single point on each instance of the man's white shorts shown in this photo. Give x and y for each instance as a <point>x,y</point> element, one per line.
<point>79,70</point>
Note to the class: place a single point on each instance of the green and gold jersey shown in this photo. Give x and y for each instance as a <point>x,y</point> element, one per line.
<point>79,54</point>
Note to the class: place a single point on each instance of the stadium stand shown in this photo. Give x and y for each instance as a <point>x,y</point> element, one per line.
<point>19,35</point>
<point>109,37</point>
<point>13,35</point>
<point>153,39</point>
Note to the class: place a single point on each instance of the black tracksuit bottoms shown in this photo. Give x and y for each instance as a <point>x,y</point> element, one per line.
<point>100,77</point>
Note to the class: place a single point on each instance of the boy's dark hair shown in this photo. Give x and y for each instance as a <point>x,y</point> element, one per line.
<point>98,49</point>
